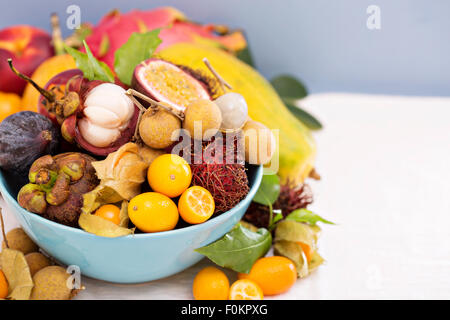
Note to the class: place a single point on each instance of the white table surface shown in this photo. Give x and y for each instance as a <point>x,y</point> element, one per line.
<point>385,166</point>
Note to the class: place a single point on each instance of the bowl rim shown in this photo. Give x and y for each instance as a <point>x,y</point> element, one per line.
<point>196,227</point>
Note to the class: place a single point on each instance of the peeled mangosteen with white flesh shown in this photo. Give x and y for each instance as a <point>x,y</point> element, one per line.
<point>95,115</point>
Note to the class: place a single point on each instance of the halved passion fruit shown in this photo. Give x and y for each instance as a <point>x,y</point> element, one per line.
<point>168,83</point>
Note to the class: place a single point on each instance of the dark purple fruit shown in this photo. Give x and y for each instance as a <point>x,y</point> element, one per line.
<point>24,137</point>
<point>56,186</point>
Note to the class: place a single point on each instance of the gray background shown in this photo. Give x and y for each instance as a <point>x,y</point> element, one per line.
<point>324,42</point>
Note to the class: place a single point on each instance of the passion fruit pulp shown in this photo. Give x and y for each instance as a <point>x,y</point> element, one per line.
<point>168,83</point>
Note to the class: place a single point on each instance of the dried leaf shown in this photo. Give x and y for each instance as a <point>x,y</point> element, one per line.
<point>124,219</point>
<point>295,253</point>
<point>316,261</point>
<point>99,196</point>
<point>121,175</point>
<point>290,230</point>
<point>17,272</point>
<point>148,154</point>
<point>102,227</point>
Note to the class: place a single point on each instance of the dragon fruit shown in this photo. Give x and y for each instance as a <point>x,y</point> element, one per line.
<point>115,28</point>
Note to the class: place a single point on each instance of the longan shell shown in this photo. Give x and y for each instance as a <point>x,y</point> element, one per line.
<point>50,283</point>
<point>205,111</point>
<point>37,261</point>
<point>19,240</point>
<point>264,136</point>
<point>156,128</point>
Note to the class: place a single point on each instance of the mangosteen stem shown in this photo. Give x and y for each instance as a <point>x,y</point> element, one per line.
<point>3,229</point>
<point>57,40</point>
<point>222,82</point>
<point>154,103</point>
<point>50,96</point>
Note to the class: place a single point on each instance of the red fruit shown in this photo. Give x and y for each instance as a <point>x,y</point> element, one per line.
<point>115,28</point>
<point>221,171</point>
<point>28,47</point>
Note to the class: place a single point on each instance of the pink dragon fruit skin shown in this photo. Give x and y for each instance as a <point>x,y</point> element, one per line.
<point>115,29</point>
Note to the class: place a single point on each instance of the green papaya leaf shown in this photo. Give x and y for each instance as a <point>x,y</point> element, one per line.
<point>238,249</point>
<point>92,68</point>
<point>245,55</point>
<point>304,215</point>
<point>294,252</point>
<point>139,47</point>
<point>268,191</point>
<point>289,87</point>
<point>306,118</point>
<point>16,270</point>
<point>290,230</point>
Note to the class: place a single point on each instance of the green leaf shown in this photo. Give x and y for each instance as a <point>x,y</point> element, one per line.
<point>308,120</point>
<point>139,47</point>
<point>303,215</point>
<point>289,87</point>
<point>239,248</point>
<point>274,219</point>
<point>246,56</point>
<point>92,68</point>
<point>268,191</point>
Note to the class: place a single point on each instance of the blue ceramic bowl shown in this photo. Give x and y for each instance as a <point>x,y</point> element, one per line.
<point>130,259</point>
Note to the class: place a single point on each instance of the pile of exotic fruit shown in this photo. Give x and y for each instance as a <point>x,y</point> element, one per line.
<point>150,129</point>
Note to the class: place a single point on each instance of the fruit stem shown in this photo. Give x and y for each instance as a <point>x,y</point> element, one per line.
<point>314,174</point>
<point>222,82</point>
<point>57,40</point>
<point>141,112</point>
<point>47,94</point>
<point>3,229</point>
<point>153,103</point>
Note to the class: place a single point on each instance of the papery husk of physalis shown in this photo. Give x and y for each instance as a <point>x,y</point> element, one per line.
<point>316,261</point>
<point>99,196</point>
<point>124,218</point>
<point>121,175</point>
<point>149,154</point>
<point>248,225</point>
<point>16,270</point>
<point>290,230</point>
<point>102,227</point>
<point>295,253</point>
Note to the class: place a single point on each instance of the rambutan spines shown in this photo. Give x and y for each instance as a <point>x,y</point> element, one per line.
<point>290,199</point>
<point>228,183</point>
<point>221,171</point>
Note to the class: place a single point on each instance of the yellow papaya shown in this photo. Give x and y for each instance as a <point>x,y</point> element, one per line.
<point>297,148</point>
